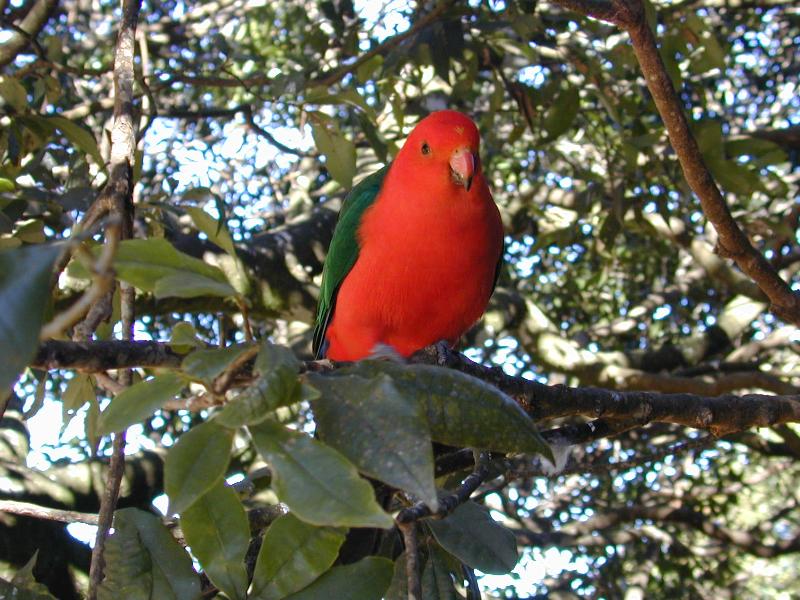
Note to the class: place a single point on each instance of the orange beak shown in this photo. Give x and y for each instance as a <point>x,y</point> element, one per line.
<point>462,167</point>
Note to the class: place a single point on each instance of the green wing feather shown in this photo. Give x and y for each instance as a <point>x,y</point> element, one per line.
<point>343,251</point>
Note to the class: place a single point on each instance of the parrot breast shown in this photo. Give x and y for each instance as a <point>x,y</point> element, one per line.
<point>428,254</point>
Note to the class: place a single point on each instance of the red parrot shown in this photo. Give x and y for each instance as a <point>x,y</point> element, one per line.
<point>416,250</point>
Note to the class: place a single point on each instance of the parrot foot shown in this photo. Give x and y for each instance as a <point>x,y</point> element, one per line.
<point>435,354</point>
<point>386,352</point>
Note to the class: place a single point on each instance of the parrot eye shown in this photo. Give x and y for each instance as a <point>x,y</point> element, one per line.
<point>425,148</point>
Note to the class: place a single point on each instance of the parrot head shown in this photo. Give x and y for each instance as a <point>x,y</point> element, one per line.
<point>444,143</point>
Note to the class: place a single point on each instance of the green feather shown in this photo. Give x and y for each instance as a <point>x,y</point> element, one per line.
<point>343,251</point>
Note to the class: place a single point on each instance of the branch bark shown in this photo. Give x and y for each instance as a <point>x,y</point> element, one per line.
<point>720,415</point>
<point>117,200</point>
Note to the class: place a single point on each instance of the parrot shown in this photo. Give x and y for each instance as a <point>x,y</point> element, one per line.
<point>416,250</point>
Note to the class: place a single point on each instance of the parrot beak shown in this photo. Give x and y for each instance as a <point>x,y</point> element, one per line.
<point>462,167</point>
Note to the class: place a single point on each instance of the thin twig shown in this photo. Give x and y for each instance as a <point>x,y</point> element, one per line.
<point>409,531</point>
<point>102,282</point>
<point>26,509</point>
<point>449,503</point>
<point>223,382</point>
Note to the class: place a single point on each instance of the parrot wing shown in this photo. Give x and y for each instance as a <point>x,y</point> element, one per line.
<point>343,251</point>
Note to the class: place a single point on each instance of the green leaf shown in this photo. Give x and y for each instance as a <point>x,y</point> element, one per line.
<point>80,137</point>
<point>80,390</point>
<point>31,231</point>
<point>476,539</point>
<point>138,402</point>
<point>23,585</point>
<point>191,285</point>
<point>437,584</point>
<point>216,231</point>
<point>321,95</point>
<point>398,588</point>
<point>382,431</point>
<point>562,113</point>
<point>207,365</point>
<point>272,356</point>
<point>367,579</point>
<point>142,263</point>
<point>6,185</point>
<point>13,93</point>
<point>196,463</point>
<point>317,483</point>
<point>255,403</point>
<point>24,293</point>
<point>339,152</point>
<point>18,592</point>
<point>184,337</point>
<point>292,555</point>
<point>217,530</point>
<point>734,177</point>
<point>461,410</point>
<point>144,562</point>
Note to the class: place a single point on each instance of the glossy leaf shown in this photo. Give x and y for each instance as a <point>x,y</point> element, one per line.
<point>398,587</point>
<point>81,138</point>
<point>144,562</point>
<point>461,410</point>
<point>184,337</point>
<point>216,230</point>
<point>142,263</point>
<point>196,463</point>
<point>138,402</point>
<point>272,356</point>
<point>23,585</point>
<point>13,93</point>
<point>255,403</point>
<point>217,530</point>
<point>367,579</point>
<point>562,113</point>
<point>317,483</point>
<point>339,152</point>
<point>191,285</point>
<point>473,536</point>
<point>381,430</point>
<point>292,555</point>
<point>437,584</point>
<point>207,365</point>
<point>24,294</point>
<point>9,589</point>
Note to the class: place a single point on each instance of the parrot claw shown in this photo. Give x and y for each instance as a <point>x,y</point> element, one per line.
<point>443,350</point>
<point>386,352</point>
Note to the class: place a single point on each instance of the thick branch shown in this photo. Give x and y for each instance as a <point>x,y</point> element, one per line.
<point>99,356</point>
<point>719,414</point>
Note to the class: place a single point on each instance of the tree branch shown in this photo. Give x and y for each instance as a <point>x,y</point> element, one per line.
<point>27,509</point>
<point>98,356</point>
<point>117,199</point>
<point>720,415</point>
<point>733,243</point>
